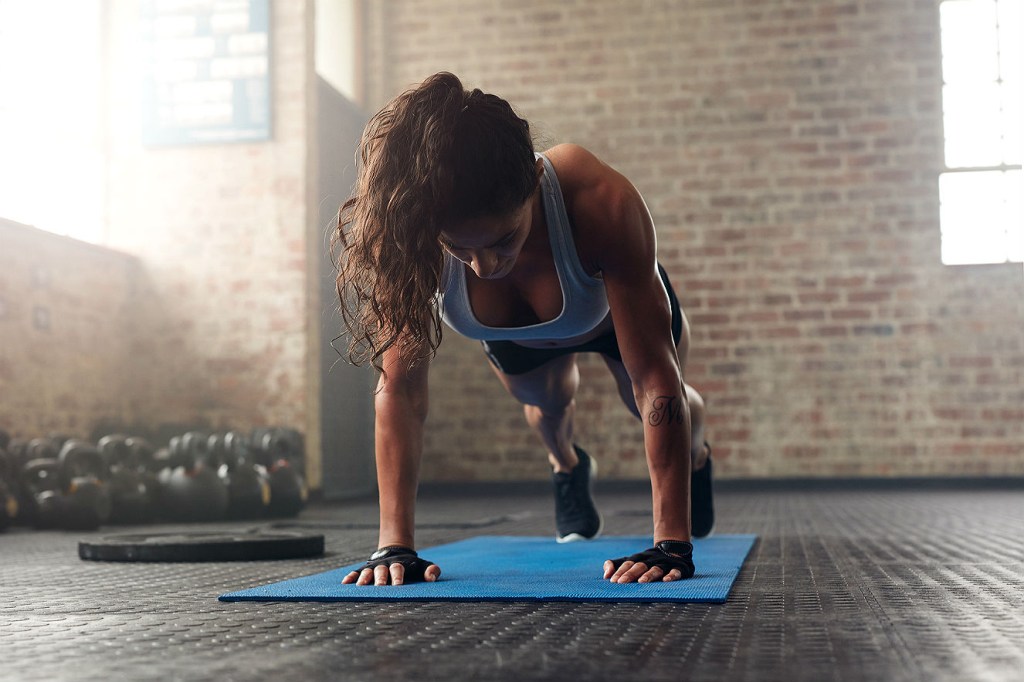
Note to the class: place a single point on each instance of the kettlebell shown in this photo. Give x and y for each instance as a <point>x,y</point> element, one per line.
<point>249,491</point>
<point>82,478</point>
<point>17,454</point>
<point>144,455</point>
<point>42,502</point>
<point>130,494</point>
<point>282,451</point>
<point>191,489</point>
<point>8,497</point>
<point>40,448</point>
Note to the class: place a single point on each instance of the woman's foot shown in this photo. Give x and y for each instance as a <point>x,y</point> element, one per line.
<point>576,517</point>
<point>702,507</point>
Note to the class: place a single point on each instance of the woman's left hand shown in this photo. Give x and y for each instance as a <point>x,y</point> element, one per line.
<point>667,561</point>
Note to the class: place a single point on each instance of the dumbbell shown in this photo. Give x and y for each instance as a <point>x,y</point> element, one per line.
<point>131,486</point>
<point>190,488</point>
<point>281,451</point>
<point>249,492</point>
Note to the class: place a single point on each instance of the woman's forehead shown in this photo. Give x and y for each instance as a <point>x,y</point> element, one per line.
<point>483,231</point>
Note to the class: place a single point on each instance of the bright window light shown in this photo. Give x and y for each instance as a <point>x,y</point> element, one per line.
<point>980,192</point>
<point>51,159</point>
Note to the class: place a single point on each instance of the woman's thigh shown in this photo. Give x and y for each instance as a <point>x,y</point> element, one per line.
<point>551,386</point>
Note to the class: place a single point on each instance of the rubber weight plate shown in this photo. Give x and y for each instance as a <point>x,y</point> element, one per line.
<point>203,546</point>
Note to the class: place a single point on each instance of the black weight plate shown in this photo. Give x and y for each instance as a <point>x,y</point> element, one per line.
<point>203,546</point>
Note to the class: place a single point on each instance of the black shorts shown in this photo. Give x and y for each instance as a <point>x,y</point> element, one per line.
<point>512,358</point>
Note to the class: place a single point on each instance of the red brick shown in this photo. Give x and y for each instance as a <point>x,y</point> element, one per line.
<point>868,296</point>
<point>803,315</point>
<point>850,314</point>
<point>710,318</point>
<point>811,297</point>
<point>971,362</point>
<point>781,333</point>
<point>831,331</point>
<point>758,317</point>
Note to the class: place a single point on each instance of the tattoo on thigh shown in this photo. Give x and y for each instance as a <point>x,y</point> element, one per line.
<point>666,409</point>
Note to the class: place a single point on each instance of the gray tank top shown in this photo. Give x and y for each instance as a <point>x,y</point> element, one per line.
<point>584,301</point>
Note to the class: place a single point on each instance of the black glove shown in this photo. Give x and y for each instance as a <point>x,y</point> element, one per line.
<point>666,555</point>
<point>415,567</point>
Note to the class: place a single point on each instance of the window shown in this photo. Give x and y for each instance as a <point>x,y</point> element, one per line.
<point>51,164</point>
<point>980,191</point>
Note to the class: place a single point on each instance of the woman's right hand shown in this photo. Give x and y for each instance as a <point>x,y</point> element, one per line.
<point>394,565</point>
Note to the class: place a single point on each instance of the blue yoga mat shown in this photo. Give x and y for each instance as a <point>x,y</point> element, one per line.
<point>503,568</point>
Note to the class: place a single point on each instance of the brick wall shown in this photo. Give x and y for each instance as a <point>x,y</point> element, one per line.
<point>67,309</point>
<point>209,321</point>
<point>788,151</point>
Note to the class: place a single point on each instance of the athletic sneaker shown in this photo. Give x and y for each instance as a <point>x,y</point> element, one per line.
<point>702,507</point>
<point>576,518</point>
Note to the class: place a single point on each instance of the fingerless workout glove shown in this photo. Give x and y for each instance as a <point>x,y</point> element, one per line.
<point>415,567</point>
<point>666,555</point>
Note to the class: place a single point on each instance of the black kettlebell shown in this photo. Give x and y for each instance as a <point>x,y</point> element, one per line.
<point>42,501</point>
<point>190,488</point>
<point>249,492</point>
<point>145,455</point>
<point>58,439</point>
<point>282,451</point>
<point>8,496</point>
<point>17,454</point>
<point>82,477</point>
<point>130,492</point>
<point>40,448</point>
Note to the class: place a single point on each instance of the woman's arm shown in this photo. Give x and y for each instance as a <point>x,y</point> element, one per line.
<point>621,242</point>
<point>643,325</point>
<point>400,405</point>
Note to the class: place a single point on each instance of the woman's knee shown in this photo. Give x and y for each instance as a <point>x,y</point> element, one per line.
<point>623,383</point>
<point>696,403</point>
<point>698,452</point>
<point>537,416</point>
<point>683,344</point>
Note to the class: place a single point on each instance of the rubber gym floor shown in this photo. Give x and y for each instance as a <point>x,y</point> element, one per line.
<point>868,583</point>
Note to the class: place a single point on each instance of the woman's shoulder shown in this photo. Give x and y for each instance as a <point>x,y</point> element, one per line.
<point>593,190</point>
<point>574,164</point>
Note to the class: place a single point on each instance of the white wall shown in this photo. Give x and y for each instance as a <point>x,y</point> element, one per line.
<point>337,44</point>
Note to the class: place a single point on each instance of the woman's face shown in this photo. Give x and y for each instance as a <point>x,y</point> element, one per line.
<point>490,245</point>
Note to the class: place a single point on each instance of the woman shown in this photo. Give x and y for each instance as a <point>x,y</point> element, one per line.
<point>541,257</point>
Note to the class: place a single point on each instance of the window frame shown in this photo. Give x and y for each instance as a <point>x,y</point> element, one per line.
<point>947,169</point>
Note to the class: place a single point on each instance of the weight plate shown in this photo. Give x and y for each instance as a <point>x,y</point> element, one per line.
<point>203,546</point>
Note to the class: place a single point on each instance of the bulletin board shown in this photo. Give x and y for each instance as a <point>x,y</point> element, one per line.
<point>206,71</point>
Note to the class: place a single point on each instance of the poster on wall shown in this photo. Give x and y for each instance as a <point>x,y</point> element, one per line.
<point>206,71</point>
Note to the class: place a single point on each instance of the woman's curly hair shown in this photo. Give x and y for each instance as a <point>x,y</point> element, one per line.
<point>435,155</point>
